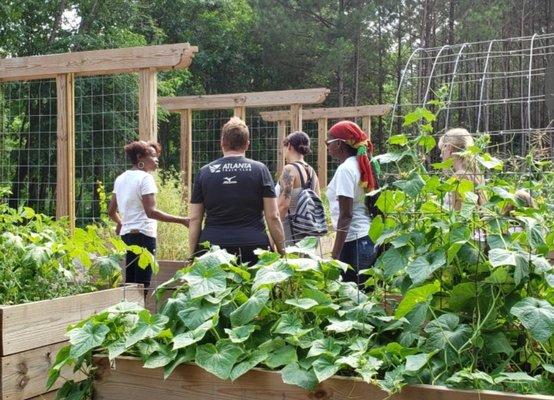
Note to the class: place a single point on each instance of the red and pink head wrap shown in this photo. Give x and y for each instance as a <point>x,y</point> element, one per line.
<point>353,135</point>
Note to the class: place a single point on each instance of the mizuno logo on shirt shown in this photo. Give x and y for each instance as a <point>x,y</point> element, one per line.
<point>229,180</point>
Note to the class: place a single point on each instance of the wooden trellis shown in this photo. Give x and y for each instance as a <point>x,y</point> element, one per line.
<point>238,102</point>
<point>322,115</point>
<point>146,61</point>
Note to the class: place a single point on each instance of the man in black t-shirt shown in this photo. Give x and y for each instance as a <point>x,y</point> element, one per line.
<point>235,194</point>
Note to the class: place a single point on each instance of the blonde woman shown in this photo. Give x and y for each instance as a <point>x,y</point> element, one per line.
<point>453,145</point>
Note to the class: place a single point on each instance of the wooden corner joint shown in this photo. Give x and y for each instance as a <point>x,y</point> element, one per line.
<point>187,54</point>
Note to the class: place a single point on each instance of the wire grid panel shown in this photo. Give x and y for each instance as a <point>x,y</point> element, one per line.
<point>28,156</point>
<point>106,118</point>
<point>497,87</point>
<point>263,140</point>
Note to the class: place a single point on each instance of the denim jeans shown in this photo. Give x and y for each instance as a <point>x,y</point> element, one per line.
<point>134,273</point>
<point>360,254</point>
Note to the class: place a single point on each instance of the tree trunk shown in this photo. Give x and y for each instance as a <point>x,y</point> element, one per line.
<point>57,22</point>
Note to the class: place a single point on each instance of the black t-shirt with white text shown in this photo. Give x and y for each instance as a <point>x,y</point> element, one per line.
<point>232,191</point>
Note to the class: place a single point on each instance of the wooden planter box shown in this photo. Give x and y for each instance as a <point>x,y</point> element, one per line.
<point>129,381</point>
<point>32,334</point>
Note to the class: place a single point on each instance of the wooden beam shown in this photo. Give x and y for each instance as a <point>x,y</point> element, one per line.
<point>281,134</point>
<point>65,185</point>
<point>366,125</point>
<point>98,62</point>
<point>330,113</point>
<point>322,152</point>
<point>129,380</point>
<point>41,323</point>
<point>148,121</point>
<point>253,99</point>
<point>295,117</point>
<point>24,375</point>
<point>186,152</point>
<point>240,111</point>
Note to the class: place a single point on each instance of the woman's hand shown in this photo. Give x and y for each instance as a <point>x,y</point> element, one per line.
<point>186,221</point>
<point>118,228</point>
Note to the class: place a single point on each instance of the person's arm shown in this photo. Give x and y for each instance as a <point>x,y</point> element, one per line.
<point>196,211</point>
<point>113,214</point>
<point>317,189</point>
<point>149,204</point>
<point>286,183</point>
<point>271,214</point>
<point>343,224</point>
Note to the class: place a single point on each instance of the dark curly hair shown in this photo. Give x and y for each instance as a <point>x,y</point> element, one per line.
<point>300,141</point>
<point>140,148</point>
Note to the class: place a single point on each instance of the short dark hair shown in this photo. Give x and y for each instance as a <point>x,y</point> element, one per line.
<point>300,141</point>
<point>140,148</point>
<point>235,135</point>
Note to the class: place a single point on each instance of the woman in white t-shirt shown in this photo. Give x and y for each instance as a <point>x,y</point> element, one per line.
<point>347,190</point>
<point>133,207</point>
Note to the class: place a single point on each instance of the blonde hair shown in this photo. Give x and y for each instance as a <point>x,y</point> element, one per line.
<point>461,140</point>
<point>235,135</point>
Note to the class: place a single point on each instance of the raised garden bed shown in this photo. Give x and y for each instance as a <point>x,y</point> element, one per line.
<point>32,334</point>
<point>129,380</point>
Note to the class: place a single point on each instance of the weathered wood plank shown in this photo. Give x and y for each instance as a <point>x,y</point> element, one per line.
<point>330,113</point>
<point>65,187</point>
<point>46,396</point>
<point>41,323</point>
<point>130,381</point>
<point>24,374</point>
<point>252,99</point>
<point>240,112</point>
<point>366,125</point>
<point>131,59</point>
<point>148,104</point>
<point>186,152</point>
<point>295,117</point>
<point>322,152</point>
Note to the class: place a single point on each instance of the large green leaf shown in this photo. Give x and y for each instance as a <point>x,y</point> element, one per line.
<point>304,304</point>
<point>181,356</point>
<point>392,261</point>
<point>218,359</point>
<point>148,326</point>
<point>196,312</point>
<point>411,187</point>
<point>240,333</point>
<point>205,278</point>
<point>187,338</point>
<point>369,366</point>
<point>415,362</point>
<point>325,367</point>
<point>463,296</point>
<point>293,374</point>
<point>86,338</point>
<point>250,309</point>
<point>415,296</point>
<point>423,267</point>
<point>278,272</point>
<point>326,346</point>
<point>245,366</point>
<point>537,316</point>
<point>160,358</point>
<point>288,324</point>
<point>282,356</point>
<point>448,334</point>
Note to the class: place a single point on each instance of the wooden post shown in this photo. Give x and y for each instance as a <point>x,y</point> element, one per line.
<point>148,102</point>
<point>240,111</point>
<point>281,133</point>
<point>186,151</point>
<point>65,187</point>
<point>295,117</point>
<point>366,125</point>
<point>322,152</point>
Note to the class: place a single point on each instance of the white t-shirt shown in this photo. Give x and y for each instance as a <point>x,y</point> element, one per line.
<point>129,187</point>
<point>346,182</point>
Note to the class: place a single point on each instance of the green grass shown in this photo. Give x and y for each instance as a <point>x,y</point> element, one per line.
<point>172,238</point>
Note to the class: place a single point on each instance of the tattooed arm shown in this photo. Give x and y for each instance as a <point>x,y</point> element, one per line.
<point>287,184</point>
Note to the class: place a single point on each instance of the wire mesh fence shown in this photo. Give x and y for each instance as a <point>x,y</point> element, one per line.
<point>28,143</point>
<point>106,118</point>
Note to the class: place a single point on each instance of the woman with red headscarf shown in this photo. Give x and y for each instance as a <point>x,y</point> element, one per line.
<point>347,191</point>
